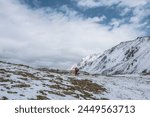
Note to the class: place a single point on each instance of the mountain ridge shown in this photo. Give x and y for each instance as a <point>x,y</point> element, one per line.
<point>125,58</point>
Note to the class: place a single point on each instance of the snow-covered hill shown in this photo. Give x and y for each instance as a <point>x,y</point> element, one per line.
<point>129,57</point>
<point>24,82</point>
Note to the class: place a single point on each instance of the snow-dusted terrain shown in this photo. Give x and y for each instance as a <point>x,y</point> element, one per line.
<point>126,58</point>
<point>24,82</point>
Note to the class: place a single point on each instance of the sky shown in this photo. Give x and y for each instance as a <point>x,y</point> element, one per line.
<point>59,33</point>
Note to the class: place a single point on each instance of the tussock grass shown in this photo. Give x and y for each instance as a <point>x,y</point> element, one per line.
<point>11,92</point>
<point>41,97</point>
<point>21,85</point>
<point>87,85</point>
<point>4,98</point>
<point>5,80</point>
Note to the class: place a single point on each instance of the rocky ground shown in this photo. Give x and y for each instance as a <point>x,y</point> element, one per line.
<point>23,82</point>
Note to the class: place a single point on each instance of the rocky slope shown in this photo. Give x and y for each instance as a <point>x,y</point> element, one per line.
<point>129,57</point>
<point>26,83</point>
<point>23,82</point>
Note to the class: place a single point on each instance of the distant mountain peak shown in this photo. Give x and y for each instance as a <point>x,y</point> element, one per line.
<point>130,57</point>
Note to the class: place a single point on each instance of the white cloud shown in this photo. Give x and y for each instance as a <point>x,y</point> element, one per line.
<point>137,7</point>
<point>125,11</point>
<point>97,3</point>
<point>116,22</point>
<point>134,3</point>
<point>97,19</point>
<point>54,39</point>
<point>139,14</point>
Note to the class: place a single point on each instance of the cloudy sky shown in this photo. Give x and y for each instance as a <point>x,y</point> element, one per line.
<point>58,33</point>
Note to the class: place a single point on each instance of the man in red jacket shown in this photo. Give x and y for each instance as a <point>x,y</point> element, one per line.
<point>76,70</point>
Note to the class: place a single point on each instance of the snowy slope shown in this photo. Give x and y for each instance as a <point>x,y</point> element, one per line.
<point>26,83</point>
<point>129,57</point>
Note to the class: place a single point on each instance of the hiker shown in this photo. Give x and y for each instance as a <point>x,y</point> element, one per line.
<point>76,70</point>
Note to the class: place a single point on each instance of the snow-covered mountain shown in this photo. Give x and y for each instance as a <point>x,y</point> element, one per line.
<point>129,57</point>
